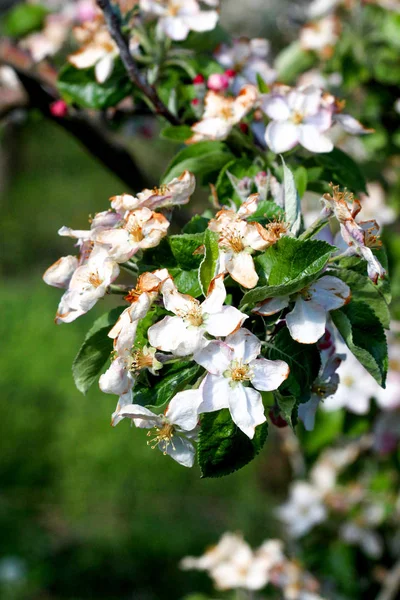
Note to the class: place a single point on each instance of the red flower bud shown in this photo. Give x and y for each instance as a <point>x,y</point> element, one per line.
<point>59,109</point>
<point>198,79</point>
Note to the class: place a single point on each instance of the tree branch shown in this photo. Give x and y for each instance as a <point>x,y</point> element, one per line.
<point>113,22</point>
<point>42,94</point>
<point>391,584</point>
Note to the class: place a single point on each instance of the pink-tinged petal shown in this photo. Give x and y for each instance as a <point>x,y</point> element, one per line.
<point>268,374</point>
<point>215,296</point>
<point>118,243</point>
<point>253,237</point>
<point>174,28</point>
<point>124,202</point>
<point>322,120</point>
<point>171,334</point>
<point>67,310</point>
<point>225,322</point>
<point>174,301</point>
<point>306,322</point>
<point>205,20</point>
<point>103,68</point>
<point>216,391</point>
<point>281,136</point>
<point>271,306</point>
<point>81,234</point>
<point>246,408</point>
<point>307,412</point>
<point>60,273</point>
<point>87,56</point>
<point>351,125</point>
<point>105,219</point>
<point>244,102</point>
<point>313,140</point>
<point>245,345</point>
<point>240,266</point>
<point>215,357</point>
<point>213,128</point>
<point>183,410</point>
<point>275,107</point>
<point>180,449</point>
<point>116,380</point>
<point>250,206</point>
<point>374,267</point>
<point>330,292</point>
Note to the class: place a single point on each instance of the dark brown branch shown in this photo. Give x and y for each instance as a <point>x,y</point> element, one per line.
<point>42,94</point>
<point>113,22</point>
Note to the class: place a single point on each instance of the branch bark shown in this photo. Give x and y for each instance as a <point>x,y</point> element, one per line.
<point>114,27</point>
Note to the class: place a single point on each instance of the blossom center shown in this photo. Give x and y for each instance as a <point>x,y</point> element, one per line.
<point>233,239</point>
<point>227,113</point>
<point>95,279</point>
<point>163,435</point>
<point>297,117</point>
<point>239,372</point>
<point>174,8</point>
<point>135,231</point>
<point>133,295</point>
<point>140,360</point>
<point>193,315</point>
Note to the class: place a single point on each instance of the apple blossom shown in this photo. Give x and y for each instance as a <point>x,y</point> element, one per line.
<point>232,366</point>
<point>321,36</point>
<point>59,274</point>
<point>174,193</point>
<point>303,510</point>
<point>173,431</point>
<point>307,320</point>
<point>222,113</point>
<point>176,18</point>
<point>184,333</point>
<point>49,40</point>
<point>359,237</point>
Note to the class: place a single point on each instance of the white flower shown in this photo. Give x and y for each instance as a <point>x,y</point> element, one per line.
<point>307,321</point>
<point>176,18</point>
<point>369,541</point>
<point>222,113</point>
<point>88,284</point>
<point>59,274</point>
<point>304,509</point>
<point>232,366</point>
<point>298,116</point>
<point>173,431</point>
<point>140,229</point>
<point>174,193</point>
<point>49,40</point>
<point>321,36</point>
<point>374,206</point>
<point>183,334</point>
<point>359,237</point>
<point>98,49</point>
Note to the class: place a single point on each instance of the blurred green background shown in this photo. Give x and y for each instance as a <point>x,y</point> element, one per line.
<point>88,511</point>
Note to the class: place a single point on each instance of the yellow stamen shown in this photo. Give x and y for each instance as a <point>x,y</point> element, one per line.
<point>162,434</point>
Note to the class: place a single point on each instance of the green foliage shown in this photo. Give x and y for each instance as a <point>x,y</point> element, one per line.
<point>239,168</point>
<point>288,266</point>
<point>328,428</point>
<point>266,212</point>
<point>23,19</point>
<point>209,264</point>
<point>292,61</point>
<point>183,248</point>
<point>176,133</point>
<point>203,159</point>
<point>365,337</point>
<point>342,169</point>
<point>197,224</point>
<point>80,86</point>
<point>223,448</point>
<point>292,200</point>
<point>95,351</point>
<point>304,362</point>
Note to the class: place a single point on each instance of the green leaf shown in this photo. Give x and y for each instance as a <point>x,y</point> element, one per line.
<point>365,337</point>
<point>95,351</point>
<point>239,168</point>
<point>223,448</point>
<point>197,224</point>
<point>179,133</point>
<point>287,405</point>
<point>262,85</point>
<point>24,19</point>
<point>288,266</point>
<point>171,380</point>
<point>209,264</point>
<point>183,247</point>
<point>292,61</point>
<point>364,290</point>
<point>301,180</point>
<point>203,159</point>
<point>342,169</point>
<point>206,41</point>
<point>292,200</point>
<point>187,282</point>
<point>266,212</point>
<point>80,86</point>
<point>359,265</point>
<point>304,362</point>
<point>328,428</point>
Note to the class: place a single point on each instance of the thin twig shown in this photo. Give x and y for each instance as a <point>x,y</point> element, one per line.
<point>113,22</point>
<point>391,584</point>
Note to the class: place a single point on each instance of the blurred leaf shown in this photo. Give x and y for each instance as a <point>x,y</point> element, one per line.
<point>342,169</point>
<point>291,200</point>
<point>206,41</point>
<point>95,351</point>
<point>178,133</point>
<point>301,180</point>
<point>286,406</point>
<point>23,19</point>
<point>202,159</point>
<point>209,265</point>
<point>292,61</point>
<point>223,448</point>
<point>328,428</point>
<point>197,224</point>
<point>80,86</point>
<point>365,337</point>
<point>289,265</point>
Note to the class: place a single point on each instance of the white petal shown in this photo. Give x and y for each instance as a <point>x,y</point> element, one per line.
<point>351,125</point>
<point>183,409</point>
<point>225,322</point>
<point>271,306</point>
<point>180,449</point>
<point>307,412</point>
<point>60,273</point>
<point>116,380</point>
<point>240,267</point>
<point>268,374</point>
<point>174,301</point>
<point>276,108</point>
<point>245,345</point>
<point>118,243</point>
<point>213,128</point>
<point>174,27</point>
<point>215,357</point>
<point>205,20</point>
<point>281,136</point>
<point>215,296</point>
<point>172,335</point>
<point>146,418</point>
<point>104,68</point>
<point>313,140</point>
<point>306,322</point>
<point>330,292</point>
<point>123,400</point>
<point>216,391</point>
<point>246,408</point>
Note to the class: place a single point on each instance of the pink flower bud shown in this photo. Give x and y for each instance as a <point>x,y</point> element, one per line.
<point>59,109</point>
<point>218,82</point>
<point>198,80</point>
<point>195,102</point>
<point>231,73</point>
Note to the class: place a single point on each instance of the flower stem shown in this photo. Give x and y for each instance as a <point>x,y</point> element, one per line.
<point>314,228</point>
